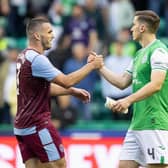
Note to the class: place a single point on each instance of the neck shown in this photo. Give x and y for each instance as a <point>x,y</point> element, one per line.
<point>147,39</point>
<point>36,46</point>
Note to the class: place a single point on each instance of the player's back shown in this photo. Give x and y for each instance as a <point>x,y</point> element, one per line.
<point>33,94</point>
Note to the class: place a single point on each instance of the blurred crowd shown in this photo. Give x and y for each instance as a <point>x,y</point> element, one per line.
<point>80,26</point>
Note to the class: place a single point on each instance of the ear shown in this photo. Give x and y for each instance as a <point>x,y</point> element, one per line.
<point>142,28</point>
<point>37,36</point>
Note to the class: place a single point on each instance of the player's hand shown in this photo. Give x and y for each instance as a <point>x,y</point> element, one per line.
<point>91,57</point>
<point>97,62</point>
<point>81,94</point>
<point>121,105</point>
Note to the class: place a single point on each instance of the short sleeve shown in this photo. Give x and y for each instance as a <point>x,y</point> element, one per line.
<point>130,68</point>
<point>41,67</point>
<point>159,59</point>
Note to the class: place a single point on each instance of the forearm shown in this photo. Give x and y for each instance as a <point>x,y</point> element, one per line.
<point>76,76</point>
<point>56,90</point>
<point>113,78</point>
<point>145,92</point>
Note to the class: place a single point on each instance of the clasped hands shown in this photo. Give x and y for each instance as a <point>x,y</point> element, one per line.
<point>97,60</point>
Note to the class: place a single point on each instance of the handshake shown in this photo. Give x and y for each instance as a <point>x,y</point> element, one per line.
<point>95,60</point>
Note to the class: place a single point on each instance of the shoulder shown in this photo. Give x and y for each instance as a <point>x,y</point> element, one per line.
<point>31,55</point>
<point>160,52</point>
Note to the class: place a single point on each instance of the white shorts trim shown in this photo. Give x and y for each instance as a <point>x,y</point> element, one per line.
<point>146,147</point>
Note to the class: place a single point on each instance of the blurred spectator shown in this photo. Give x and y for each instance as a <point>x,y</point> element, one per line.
<point>121,13</point>
<point>140,5</point>
<point>3,39</point>
<point>156,7</point>
<point>79,51</point>
<point>16,18</point>
<point>92,10</point>
<point>4,118</point>
<point>9,85</point>
<point>4,7</point>
<point>129,47</point>
<point>68,6</point>
<point>62,113</point>
<point>80,28</point>
<point>56,16</point>
<point>4,11</point>
<point>166,16</point>
<point>117,62</point>
<point>36,7</point>
<point>60,54</point>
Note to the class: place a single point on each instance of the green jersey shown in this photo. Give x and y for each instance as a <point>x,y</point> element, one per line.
<point>152,112</point>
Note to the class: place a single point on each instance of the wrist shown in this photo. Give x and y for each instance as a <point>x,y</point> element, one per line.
<point>130,99</point>
<point>72,91</point>
<point>101,69</point>
<point>91,65</point>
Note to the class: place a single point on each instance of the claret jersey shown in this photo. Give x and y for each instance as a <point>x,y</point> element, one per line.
<point>34,73</point>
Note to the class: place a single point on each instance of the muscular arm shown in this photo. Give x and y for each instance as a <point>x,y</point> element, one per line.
<point>75,77</point>
<point>120,81</point>
<point>41,67</point>
<point>82,94</point>
<point>56,90</point>
<point>157,79</point>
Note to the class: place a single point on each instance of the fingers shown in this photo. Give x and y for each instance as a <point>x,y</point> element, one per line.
<point>93,53</point>
<point>97,59</point>
<point>86,96</point>
<point>118,107</point>
<point>91,57</point>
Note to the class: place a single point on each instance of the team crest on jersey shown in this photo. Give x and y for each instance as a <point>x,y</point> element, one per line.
<point>144,59</point>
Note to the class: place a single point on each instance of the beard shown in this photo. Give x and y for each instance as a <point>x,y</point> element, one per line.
<point>45,44</point>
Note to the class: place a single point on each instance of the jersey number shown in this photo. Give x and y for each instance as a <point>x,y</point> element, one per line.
<point>151,152</point>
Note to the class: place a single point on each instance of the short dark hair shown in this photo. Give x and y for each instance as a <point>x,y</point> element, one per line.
<point>34,24</point>
<point>150,18</point>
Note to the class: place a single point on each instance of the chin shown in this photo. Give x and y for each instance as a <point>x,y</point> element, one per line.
<point>135,39</point>
<point>47,47</point>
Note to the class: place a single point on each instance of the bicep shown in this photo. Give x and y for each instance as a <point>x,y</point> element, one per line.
<point>41,67</point>
<point>159,65</point>
<point>60,79</point>
<point>158,77</point>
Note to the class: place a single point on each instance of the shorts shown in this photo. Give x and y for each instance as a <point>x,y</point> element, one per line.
<point>45,144</point>
<point>146,147</point>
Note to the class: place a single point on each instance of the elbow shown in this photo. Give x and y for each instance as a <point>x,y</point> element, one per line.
<point>66,85</point>
<point>158,88</point>
<point>63,80</point>
<point>122,86</point>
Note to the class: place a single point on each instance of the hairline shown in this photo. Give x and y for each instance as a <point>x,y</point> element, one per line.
<point>39,23</point>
